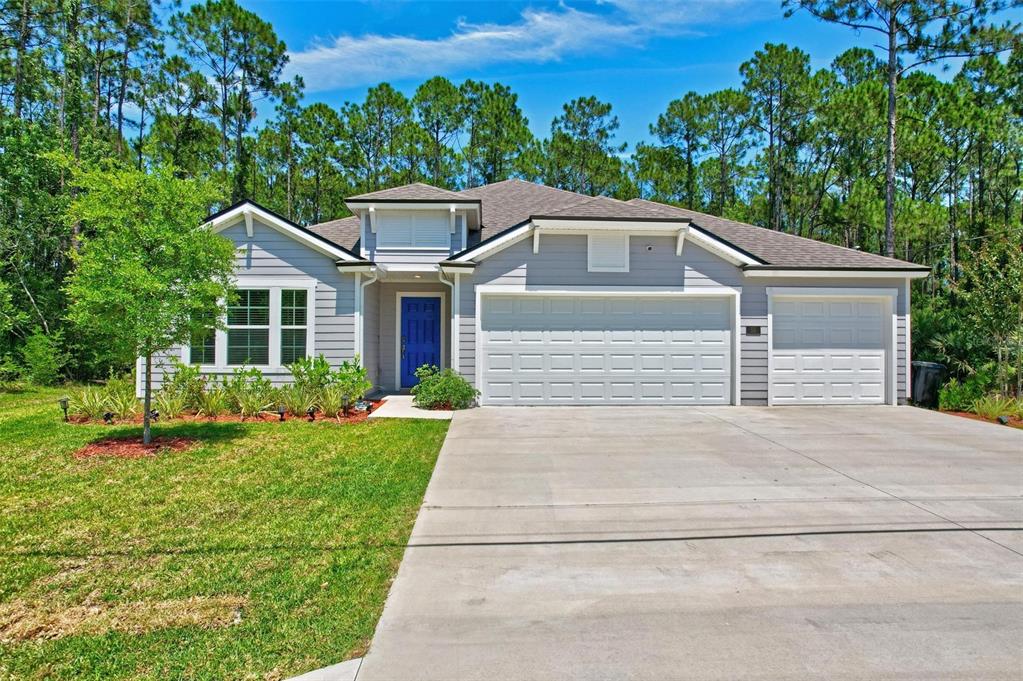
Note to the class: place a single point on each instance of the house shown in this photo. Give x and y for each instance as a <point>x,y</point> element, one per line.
<point>543,296</point>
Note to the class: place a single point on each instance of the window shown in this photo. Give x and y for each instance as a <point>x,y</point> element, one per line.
<point>413,229</point>
<point>203,348</point>
<point>294,313</point>
<point>248,328</point>
<point>608,252</point>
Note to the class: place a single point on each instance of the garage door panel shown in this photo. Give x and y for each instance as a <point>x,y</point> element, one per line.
<point>616,350</point>
<point>828,351</point>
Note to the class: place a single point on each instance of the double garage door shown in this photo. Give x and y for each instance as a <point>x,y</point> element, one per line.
<point>592,349</point>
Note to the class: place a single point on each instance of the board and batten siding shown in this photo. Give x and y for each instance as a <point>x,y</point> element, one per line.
<point>268,254</point>
<point>562,261</point>
<point>384,256</point>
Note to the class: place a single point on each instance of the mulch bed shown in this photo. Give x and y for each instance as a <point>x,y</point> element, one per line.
<point>353,417</point>
<point>132,447</point>
<point>1014,421</point>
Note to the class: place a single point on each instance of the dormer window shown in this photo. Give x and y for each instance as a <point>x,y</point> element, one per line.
<point>417,229</point>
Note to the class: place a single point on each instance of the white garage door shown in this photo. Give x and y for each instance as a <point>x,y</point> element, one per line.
<point>542,349</point>
<point>828,351</point>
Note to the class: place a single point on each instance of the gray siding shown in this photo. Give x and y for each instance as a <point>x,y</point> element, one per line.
<point>270,253</point>
<point>387,333</point>
<point>371,331</point>
<point>562,262</point>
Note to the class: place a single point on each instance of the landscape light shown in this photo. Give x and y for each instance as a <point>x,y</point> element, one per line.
<point>108,417</point>
<point>1004,420</point>
<point>63,402</point>
<point>311,413</point>
<point>280,411</point>
<point>154,415</point>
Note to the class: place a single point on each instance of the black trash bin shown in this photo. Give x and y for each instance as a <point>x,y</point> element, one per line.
<point>927,379</point>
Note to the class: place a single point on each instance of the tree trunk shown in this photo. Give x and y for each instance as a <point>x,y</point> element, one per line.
<point>20,49</point>
<point>889,172</point>
<point>123,85</point>
<point>147,436</point>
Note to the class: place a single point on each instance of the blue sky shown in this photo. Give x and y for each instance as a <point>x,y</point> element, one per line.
<point>636,54</point>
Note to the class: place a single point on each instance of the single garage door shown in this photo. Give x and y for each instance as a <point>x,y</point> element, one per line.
<point>546,349</point>
<point>828,351</point>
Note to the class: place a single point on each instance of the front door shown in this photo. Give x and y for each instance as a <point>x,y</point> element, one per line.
<point>420,336</point>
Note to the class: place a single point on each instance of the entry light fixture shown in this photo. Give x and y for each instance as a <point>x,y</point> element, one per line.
<point>63,402</point>
<point>280,411</point>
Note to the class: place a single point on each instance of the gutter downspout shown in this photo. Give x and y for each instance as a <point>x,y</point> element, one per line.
<point>360,330</point>
<point>453,333</point>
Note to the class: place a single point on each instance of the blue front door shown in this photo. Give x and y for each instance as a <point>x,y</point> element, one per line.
<point>420,336</point>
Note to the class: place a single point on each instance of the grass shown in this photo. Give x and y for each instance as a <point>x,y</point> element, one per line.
<point>264,552</point>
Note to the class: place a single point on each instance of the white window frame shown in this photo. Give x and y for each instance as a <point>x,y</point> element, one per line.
<point>622,267</point>
<point>381,228</point>
<point>275,285</point>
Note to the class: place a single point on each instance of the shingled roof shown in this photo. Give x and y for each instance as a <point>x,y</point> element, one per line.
<point>513,202</point>
<point>417,191</point>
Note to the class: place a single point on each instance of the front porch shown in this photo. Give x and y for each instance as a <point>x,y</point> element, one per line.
<point>405,322</point>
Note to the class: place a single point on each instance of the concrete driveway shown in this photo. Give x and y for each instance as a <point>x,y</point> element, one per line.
<point>725,543</point>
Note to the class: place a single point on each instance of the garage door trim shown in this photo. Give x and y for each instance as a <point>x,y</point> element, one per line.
<point>888,295</point>
<point>731,293</point>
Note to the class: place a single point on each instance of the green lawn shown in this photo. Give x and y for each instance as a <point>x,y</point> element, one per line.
<point>264,552</point>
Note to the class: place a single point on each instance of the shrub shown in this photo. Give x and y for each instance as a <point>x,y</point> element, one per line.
<point>248,388</point>
<point>44,358</point>
<point>353,381</point>
<point>993,406</point>
<point>332,400</point>
<point>10,376</point>
<point>212,402</point>
<point>960,396</point>
<point>185,382</point>
<point>170,403</point>
<point>310,373</point>
<point>120,396</point>
<point>442,389</point>
<point>297,399</point>
<point>89,402</point>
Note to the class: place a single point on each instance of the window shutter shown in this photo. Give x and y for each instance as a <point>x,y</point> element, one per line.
<point>608,252</point>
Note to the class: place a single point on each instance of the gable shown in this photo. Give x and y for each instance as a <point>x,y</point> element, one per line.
<point>563,260</point>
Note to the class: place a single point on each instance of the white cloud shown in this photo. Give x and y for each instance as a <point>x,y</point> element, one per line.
<point>539,36</point>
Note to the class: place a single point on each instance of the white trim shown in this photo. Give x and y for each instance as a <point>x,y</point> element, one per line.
<point>443,295</point>
<point>590,267</point>
<point>384,204</point>
<point>680,241</point>
<point>719,248</point>
<point>909,340</point>
<point>372,219</point>
<point>451,220</point>
<point>635,291</point>
<point>570,225</point>
<point>836,274</point>
<point>246,211</point>
<point>435,249</point>
<point>409,267</point>
<point>889,295</point>
<point>275,285</point>
<point>501,242</point>
<point>536,241</point>
<point>734,293</point>
<point>248,223</point>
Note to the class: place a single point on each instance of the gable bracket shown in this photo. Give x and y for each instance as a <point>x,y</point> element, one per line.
<point>372,219</point>
<point>248,223</point>
<point>681,240</point>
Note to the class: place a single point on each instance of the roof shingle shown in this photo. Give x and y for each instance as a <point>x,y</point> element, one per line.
<point>417,191</point>
<point>512,202</point>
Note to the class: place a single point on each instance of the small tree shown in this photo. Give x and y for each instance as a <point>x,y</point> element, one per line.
<point>148,274</point>
<point>991,291</point>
